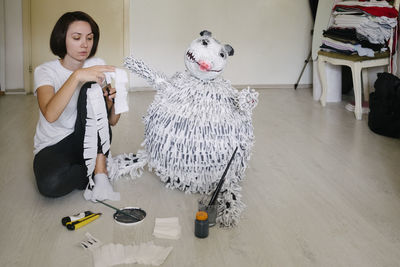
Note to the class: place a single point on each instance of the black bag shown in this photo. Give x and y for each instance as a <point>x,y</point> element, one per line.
<point>384,115</point>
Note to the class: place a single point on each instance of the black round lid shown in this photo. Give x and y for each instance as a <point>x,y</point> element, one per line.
<point>138,216</point>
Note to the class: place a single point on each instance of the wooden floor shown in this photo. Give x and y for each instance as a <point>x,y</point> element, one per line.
<point>321,190</point>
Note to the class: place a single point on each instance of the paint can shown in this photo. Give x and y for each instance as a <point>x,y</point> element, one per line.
<point>201,224</point>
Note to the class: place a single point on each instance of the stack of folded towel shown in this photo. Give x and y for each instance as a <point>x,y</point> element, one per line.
<point>360,28</point>
<point>168,228</point>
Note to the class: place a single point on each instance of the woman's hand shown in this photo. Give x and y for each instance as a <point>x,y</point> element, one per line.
<point>110,93</point>
<point>93,74</point>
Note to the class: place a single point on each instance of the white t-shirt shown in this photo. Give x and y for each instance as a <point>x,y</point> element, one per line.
<point>54,74</point>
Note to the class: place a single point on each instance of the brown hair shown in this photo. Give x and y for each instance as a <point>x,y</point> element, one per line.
<point>58,35</point>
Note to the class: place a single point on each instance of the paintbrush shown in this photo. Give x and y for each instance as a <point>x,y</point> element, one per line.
<point>120,211</point>
<point>221,181</point>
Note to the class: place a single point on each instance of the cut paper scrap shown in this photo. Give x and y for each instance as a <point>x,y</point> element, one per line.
<point>120,80</point>
<point>117,254</point>
<point>91,243</point>
<point>96,127</point>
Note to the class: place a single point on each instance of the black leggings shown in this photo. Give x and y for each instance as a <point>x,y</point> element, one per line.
<point>60,168</point>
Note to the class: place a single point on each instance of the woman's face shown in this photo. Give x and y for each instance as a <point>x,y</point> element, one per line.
<point>79,40</point>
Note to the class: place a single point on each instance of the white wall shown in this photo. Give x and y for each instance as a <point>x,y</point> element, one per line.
<point>2,47</point>
<point>271,38</point>
<point>13,45</point>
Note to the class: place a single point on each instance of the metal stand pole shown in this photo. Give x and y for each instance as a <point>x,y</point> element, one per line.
<point>304,67</point>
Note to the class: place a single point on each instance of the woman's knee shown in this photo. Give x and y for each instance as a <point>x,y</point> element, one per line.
<point>57,174</point>
<point>50,186</point>
<point>61,181</point>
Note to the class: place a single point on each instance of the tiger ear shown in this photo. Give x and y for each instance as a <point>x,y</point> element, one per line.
<point>205,33</point>
<point>229,49</point>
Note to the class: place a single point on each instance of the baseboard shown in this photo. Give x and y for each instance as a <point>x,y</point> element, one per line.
<point>241,86</point>
<point>148,88</point>
<point>15,92</point>
<point>272,86</point>
<point>140,89</point>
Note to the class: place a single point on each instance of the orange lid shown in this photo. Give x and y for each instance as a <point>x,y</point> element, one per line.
<point>201,215</point>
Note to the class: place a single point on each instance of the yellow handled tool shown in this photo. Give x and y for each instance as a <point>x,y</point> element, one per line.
<point>81,222</point>
<point>81,219</point>
<point>75,217</point>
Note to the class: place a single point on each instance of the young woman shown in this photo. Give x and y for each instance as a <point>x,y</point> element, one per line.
<point>60,86</point>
